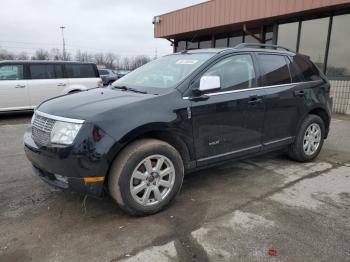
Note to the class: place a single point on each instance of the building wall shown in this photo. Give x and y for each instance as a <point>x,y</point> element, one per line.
<point>218,13</point>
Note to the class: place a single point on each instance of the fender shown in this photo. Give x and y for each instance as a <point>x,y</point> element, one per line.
<point>178,138</point>
<point>315,107</point>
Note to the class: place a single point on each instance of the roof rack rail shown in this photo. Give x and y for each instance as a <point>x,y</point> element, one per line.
<point>244,45</point>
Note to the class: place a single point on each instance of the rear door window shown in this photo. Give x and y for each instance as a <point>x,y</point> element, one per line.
<point>80,71</point>
<point>307,70</point>
<point>11,72</point>
<point>275,69</point>
<point>45,71</point>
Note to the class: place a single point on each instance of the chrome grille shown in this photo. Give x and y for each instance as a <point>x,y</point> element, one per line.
<point>41,129</point>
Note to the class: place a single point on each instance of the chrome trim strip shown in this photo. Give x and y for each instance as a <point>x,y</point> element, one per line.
<point>277,141</point>
<point>18,108</point>
<point>252,89</point>
<point>229,153</point>
<point>59,118</point>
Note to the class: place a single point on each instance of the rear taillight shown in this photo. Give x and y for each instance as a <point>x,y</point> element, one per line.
<point>99,83</point>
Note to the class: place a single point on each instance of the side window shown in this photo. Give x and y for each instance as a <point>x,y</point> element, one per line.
<point>275,69</point>
<point>294,72</point>
<point>11,72</point>
<point>236,72</point>
<point>80,71</point>
<point>308,71</point>
<point>45,71</point>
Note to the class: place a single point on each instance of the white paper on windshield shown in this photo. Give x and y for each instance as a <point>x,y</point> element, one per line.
<point>186,62</point>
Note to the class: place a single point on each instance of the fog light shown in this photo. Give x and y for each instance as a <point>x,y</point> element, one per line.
<point>63,179</point>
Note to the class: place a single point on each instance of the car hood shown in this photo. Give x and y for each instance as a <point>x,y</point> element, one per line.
<point>87,105</point>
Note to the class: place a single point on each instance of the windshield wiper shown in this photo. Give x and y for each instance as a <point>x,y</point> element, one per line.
<point>125,88</point>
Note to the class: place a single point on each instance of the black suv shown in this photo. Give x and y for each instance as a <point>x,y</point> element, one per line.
<point>177,114</point>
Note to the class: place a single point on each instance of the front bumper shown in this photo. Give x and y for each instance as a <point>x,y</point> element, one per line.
<point>81,167</point>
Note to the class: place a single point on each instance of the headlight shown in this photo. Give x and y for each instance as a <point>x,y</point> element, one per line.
<point>64,133</point>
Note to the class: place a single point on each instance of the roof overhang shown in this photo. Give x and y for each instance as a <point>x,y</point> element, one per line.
<point>228,15</point>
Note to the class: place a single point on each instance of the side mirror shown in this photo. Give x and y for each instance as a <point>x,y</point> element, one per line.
<point>209,83</point>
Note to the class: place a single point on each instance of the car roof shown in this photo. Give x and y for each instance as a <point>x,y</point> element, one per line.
<point>42,62</point>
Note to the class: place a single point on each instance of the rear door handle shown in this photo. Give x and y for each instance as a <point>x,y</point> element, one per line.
<point>300,93</point>
<point>254,100</point>
<point>61,84</point>
<point>20,86</point>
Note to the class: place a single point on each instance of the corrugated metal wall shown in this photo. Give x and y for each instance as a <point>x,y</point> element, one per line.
<point>226,12</point>
<point>341,96</point>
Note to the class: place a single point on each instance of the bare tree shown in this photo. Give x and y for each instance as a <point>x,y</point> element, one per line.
<point>56,54</point>
<point>109,60</point>
<point>22,56</point>
<point>5,55</point>
<point>99,58</point>
<point>41,54</point>
<point>140,61</point>
<point>83,56</point>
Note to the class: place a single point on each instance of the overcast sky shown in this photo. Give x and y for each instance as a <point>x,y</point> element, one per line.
<point>123,27</point>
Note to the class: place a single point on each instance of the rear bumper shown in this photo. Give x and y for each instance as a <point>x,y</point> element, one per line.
<point>81,167</point>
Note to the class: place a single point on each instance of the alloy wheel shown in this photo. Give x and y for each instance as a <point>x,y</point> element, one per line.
<point>152,180</point>
<point>312,139</point>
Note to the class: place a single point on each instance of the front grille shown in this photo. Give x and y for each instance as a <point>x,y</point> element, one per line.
<point>41,129</point>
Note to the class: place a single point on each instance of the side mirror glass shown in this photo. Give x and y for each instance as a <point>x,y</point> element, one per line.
<point>209,83</point>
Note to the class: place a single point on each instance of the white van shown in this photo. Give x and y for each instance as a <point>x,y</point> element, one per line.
<point>25,84</point>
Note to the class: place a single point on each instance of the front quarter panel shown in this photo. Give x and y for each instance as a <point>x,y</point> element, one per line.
<point>165,113</point>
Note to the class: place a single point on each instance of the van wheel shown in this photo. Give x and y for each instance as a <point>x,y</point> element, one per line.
<point>146,176</point>
<point>309,140</point>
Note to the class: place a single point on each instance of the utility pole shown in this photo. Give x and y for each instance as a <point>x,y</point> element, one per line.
<point>63,43</point>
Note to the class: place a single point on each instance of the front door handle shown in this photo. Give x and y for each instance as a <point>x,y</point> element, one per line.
<point>20,86</point>
<point>61,84</point>
<point>254,100</point>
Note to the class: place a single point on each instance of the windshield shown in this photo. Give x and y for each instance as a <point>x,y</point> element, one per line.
<point>165,72</point>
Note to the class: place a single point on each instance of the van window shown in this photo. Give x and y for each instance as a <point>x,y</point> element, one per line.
<point>45,71</point>
<point>80,71</point>
<point>236,72</point>
<point>275,69</point>
<point>307,70</point>
<point>11,72</point>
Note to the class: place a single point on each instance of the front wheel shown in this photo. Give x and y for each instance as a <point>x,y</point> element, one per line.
<point>309,140</point>
<point>146,176</point>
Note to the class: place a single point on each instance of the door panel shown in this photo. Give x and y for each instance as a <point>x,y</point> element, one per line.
<point>228,125</point>
<point>281,114</point>
<point>13,95</point>
<point>43,89</point>
<point>46,82</point>
<point>13,88</point>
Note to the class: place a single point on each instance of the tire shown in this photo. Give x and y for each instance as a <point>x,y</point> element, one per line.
<point>297,151</point>
<point>129,170</point>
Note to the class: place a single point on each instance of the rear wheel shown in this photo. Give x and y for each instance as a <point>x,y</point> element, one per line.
<point>146,176</point>
<point>309,140</point>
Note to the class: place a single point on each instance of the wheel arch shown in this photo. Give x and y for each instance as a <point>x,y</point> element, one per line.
<point>322,113</point>
<point>166,135</point>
